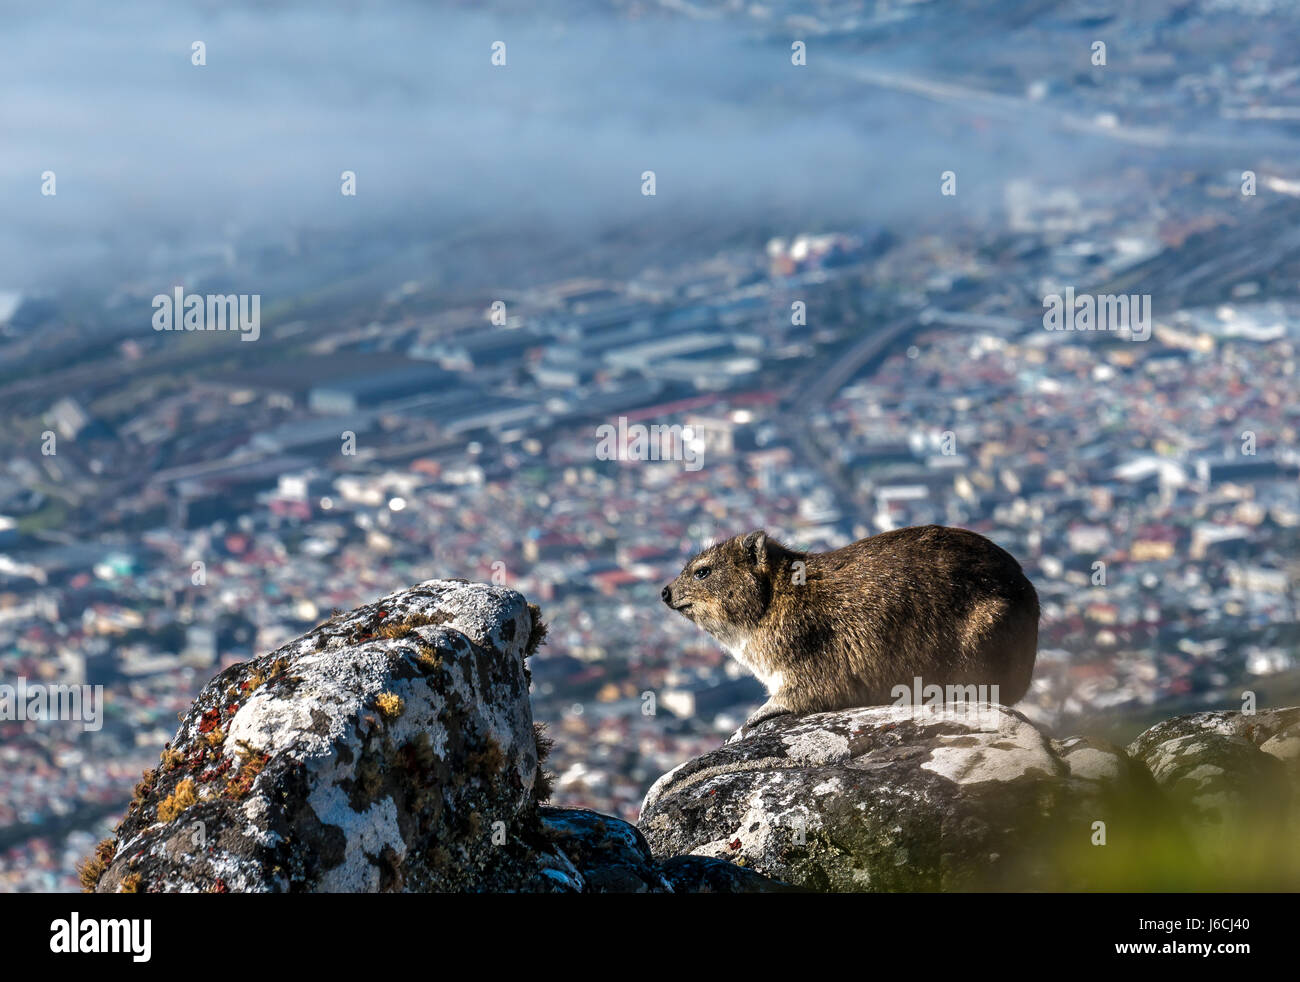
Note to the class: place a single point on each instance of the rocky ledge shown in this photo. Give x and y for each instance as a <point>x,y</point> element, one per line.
<point>393,749</point>
<point>885,798</point>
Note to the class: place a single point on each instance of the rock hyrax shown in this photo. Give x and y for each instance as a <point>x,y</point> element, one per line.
<point>839,629</point>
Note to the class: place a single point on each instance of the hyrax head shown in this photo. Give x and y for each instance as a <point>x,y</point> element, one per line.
<point>727,587</point>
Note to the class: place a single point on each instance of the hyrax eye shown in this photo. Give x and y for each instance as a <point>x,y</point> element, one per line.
<point>703,571</point>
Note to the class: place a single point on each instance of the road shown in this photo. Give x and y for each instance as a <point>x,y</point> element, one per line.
<point>813,391</point>
<point>1045,115</point>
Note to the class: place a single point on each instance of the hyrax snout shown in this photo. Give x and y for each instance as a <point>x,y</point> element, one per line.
<point>840,629</point>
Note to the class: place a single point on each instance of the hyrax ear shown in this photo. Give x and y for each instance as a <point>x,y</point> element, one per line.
<point>755,546</point>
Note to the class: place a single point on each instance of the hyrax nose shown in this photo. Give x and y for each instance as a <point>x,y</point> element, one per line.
<point>667,594</point>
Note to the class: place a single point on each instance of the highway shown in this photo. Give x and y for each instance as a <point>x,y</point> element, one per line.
<point>812,391</point>
<point>1046,115</point>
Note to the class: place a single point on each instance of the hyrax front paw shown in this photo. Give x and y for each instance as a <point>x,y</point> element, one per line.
<point>769,710</point>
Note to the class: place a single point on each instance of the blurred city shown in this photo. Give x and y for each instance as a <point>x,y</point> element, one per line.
<point>429,404</point>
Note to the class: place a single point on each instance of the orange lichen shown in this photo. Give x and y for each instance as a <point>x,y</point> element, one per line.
<point>402,626</point>
<point>90,869</point>
<point>180,799</point>
<point>251,763</point>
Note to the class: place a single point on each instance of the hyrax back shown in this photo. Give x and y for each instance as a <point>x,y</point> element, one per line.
<point>839,629</point>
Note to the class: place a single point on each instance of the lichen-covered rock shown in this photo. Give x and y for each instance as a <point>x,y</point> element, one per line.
<point>1284,745</point>
<point>389,749</point>
<point>1257,728</point>
<point>1216,778</point>
<point>1091,759</point>
<point>1231,776</point>
<point>887,798</point>
<point>891,798</point>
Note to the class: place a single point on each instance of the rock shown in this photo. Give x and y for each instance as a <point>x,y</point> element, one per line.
<point>1284,745</point>
<point>1090,759</point>
<point>1257,728</point>
<point>700,874</point>
<point>610,855</point>
<point>381,751</point>
<point>1210,773</point>
<point>390,749</point>
<point>607,855</point>
<point>1225,774</point>
<point>885,798</point>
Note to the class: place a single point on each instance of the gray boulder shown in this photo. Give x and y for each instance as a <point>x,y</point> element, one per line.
<point>611,856</point>
<point>1232,779</point>
<point>391,748</point>
<point>1257,728</point>
<point>885,798</point>
<point>701,874</point>
<point>1284,745</point>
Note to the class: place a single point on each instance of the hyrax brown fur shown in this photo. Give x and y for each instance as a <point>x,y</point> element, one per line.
<point>839,629</point>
